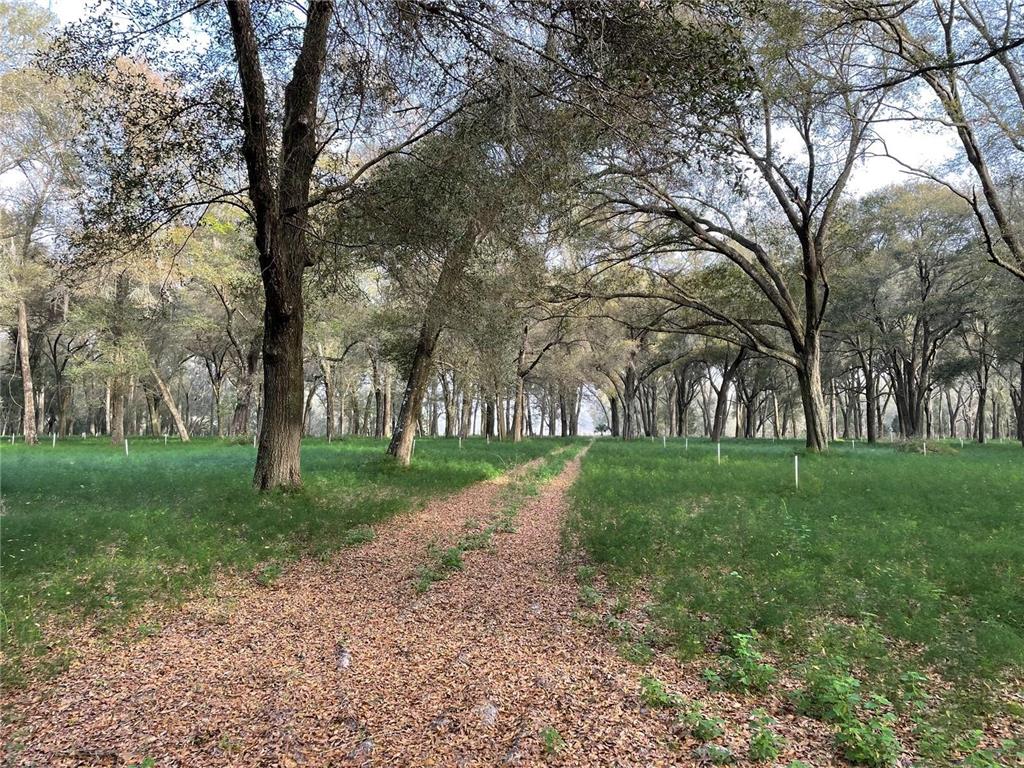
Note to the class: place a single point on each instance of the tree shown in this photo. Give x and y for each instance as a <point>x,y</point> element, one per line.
<point>969,55</point>
<point>163,137</point>
<point>32,155</point>
<point>770,226</point>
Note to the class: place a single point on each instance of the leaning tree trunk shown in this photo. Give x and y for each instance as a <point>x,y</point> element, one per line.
<point>29,417</point>
<point>165,393</point>
<point>419,373</point>
<point>412,401</point>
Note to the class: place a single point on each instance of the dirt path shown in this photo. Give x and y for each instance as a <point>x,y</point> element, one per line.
<point>343,663</point>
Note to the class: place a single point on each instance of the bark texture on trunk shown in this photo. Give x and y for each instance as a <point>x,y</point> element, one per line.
<point>29,413</point>
<point>244,396</point>
<point>812,395</point>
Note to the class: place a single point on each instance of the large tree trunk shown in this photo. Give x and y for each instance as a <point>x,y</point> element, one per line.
<point>277,458</point>
<point>165,393</point>
<point>412,401</point>
<point>812,396</point>
<point>29,414</point>
<point>280,202</point>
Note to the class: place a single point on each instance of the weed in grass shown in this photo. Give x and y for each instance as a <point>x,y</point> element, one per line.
<point>589,596</point>
<point>361,534</point>
<point>1009,752</point>
<point>765,743</point>
<point>871,742</point>
<point>476,540</point>
<point>425,577</point>
<point>913,688</point>
<point>654,694</point>
<point>266,575</point>
<point>585,574</point>
<point>621,604</point>
<point>636,652</point>
<point>830,693</point>
<point>619,627</point>
<point>450,559</point>
<point>552,740</point>
<point>715,754</point>
<point>743,668</point>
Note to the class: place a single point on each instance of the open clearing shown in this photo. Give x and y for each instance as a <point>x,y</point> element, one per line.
<point>523,621</point>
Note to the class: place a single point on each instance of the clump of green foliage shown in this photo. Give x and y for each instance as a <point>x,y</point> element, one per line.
<point>1009,751</point>
<point>765,743</point>
<point>268,573</point>
<point>715,754</point>
<point>870,741</point>
<point>830,692</point>
<point>360,534</point>
<point>654,694</point>
<point>743,667</point>
<point>702,727</point>
<point>552,740</point>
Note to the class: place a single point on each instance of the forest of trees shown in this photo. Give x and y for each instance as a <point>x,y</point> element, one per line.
<point>390,217</point>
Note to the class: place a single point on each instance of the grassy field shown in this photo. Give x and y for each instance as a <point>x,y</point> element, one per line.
<point>883,567</point>
<point>90,534</point>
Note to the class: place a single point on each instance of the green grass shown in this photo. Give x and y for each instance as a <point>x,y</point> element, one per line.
<point>886,562</point>
<point>88,534</point>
